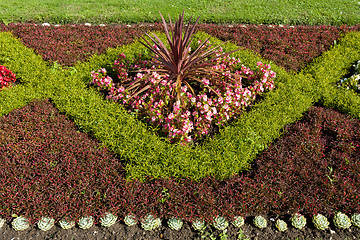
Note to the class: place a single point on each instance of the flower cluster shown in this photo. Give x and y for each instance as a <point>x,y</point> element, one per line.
<point>6,77</point>
<point>352,82</point>
<point>206,101</point>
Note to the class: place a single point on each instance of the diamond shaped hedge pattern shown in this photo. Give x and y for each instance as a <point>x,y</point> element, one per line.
<point>145,154</point>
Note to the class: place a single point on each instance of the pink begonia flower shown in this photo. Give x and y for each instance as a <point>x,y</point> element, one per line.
<point>205,97</point>
<point>205,81</point>
<point>220,100</point>
<point>214,110</point>
<point>139,75</point>
<point>206,107</point>
<point>228,99</point>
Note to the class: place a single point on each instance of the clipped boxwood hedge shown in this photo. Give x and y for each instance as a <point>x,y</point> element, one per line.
<point>144,153</point>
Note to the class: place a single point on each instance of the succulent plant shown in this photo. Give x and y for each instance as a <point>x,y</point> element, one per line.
<point>260,222</point>
<point>86,222</point>
<point>238,221</point>
<point>130,220</point>
<point>341,220</point>
<point>298,221</point>
<point>150,222</point>
<point>45,223</point>
<point>281,225</point>
<point>2,222</point>
<point>198,224</point>
<point>20,223</point>
<point>355,218</point>
<point>66,224</point>
<point>320,222</point>
<point>220,223</point>
<point>108,219</point>
<point>175,223</point>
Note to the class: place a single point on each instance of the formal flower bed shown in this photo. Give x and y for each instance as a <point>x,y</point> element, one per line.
<point>61,175</point>
<point>215,100</point>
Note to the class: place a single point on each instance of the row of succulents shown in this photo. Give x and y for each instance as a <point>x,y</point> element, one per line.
<point>298,221</point>
<point>150,222</point>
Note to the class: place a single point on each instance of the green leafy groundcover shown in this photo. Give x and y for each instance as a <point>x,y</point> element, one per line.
<point>144,153</point>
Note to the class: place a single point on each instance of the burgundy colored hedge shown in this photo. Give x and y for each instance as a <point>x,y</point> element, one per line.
<point>290,47</point>
<point>71,43</point>
<point>47,167</point>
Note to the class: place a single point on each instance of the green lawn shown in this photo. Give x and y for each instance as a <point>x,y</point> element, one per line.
<point>295,12</point>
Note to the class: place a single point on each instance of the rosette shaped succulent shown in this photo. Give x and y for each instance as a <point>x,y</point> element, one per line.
<point>298,221</point>
<point>260,222</point>
<point>20,223</point>
<point>130,220</point>
<point>66,224</point>
<point>45,223</point>
<point>175,223</point>
<point>341,220</point>
<point>2,222</point>
<point>150,223</point>
<point>220,223</point>
<point>108,219</point>
<point>198,224</point>
<point>86,222</point>
<point>281,225</point>
<point>238,221</point>
<point>355,219</point>
<point>320,222</point>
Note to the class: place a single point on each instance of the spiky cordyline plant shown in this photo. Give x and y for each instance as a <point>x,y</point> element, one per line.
<point>181,65</point>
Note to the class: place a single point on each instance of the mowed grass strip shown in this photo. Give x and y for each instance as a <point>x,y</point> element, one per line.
<point>296,12</point>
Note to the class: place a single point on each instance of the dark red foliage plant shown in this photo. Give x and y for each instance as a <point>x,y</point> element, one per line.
<point>49,168</point>
<point>291,47</point>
